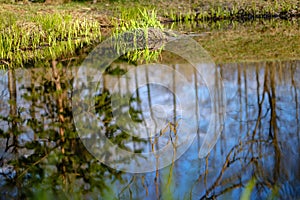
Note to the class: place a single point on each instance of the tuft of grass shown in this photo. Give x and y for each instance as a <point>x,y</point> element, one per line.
<point>40,37</point>
<point>138,19</point>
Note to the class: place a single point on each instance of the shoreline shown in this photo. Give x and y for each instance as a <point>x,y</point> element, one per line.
<point>224,45</point>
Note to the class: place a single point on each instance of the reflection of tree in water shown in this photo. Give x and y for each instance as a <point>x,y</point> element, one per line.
<point>260,140</point>
<point>104,110</point>
<point>13,113</point>
<point>260,150</point>
<point>51,158</point>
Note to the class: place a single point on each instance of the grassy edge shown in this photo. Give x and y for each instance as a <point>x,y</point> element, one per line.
<point>115,20</point>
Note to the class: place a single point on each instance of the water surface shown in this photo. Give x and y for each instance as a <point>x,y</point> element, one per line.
<point>41,153</point>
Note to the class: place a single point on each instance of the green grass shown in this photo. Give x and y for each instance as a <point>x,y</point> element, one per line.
<point>136,19</point>
<point>43,36</point>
